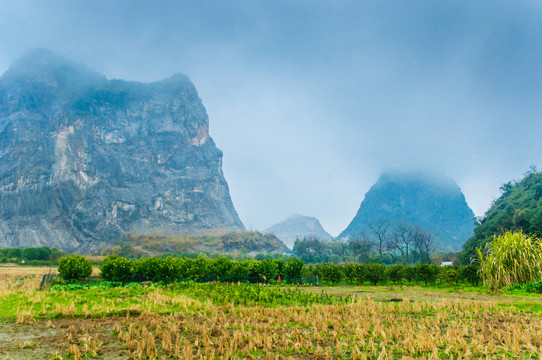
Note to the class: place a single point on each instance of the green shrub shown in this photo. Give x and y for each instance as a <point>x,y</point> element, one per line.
<point>74,267</point>
<point>535,287</point>
<point>219,269</point>
<point>293,270</point>
<point>195,269</point>
<point>148,269</point>
<point>450,275</point>
<point>396,273</point>
<point>360,273</point>
<point>428,273</point>
<point>267,268</point>
<point>410,274</point>
<point>375,273</point>
<point>170,269</point>
<point>470,274</point>
<point>331,272</point>
<point>117,268</point>
<point>239,271</point>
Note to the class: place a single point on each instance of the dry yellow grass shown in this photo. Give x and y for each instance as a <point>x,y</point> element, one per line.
<point>426,328</point>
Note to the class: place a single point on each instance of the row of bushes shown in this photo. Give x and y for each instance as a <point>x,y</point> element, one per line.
<point>382,274</point>
<point>169,269</point>
<point>293,270</point>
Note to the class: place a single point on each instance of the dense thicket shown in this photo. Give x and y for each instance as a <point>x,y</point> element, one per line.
<point>519,208</point>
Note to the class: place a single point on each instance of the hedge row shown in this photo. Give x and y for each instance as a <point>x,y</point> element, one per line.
<point>378,273</point>
<point>167,270</point>
<point>292,270</point>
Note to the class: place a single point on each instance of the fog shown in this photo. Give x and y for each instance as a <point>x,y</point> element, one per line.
<point>311,100</point>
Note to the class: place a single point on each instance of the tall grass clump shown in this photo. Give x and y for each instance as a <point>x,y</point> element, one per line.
<point>511,258</point>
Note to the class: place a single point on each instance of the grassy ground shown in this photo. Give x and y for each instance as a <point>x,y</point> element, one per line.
<point>206,321</point>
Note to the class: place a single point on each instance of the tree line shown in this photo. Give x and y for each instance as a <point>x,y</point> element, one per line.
<point>30,254</point>
<point>294,271</point>
<point>383,243</point>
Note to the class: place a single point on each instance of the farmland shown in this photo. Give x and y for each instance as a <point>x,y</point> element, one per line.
<point>237,321</point>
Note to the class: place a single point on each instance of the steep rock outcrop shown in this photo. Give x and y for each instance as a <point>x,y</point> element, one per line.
<point>434,203</point>
<point>84,159</point>
<point>298,227</point>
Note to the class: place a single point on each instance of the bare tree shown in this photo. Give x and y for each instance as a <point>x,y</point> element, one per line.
<point>381,236</point>
<point>360,244</point>
<point>423,243</point>
<point>403,238</point>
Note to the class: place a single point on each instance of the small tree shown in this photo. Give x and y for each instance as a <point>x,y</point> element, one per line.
<point>331,272</point>
<point>117,268</point>
<point>396,273</point>
<point>471,274</point>
<point>376,273</point>
<point>74,267</point>
<point>428,273</point>
<point>294,269</point>
<point>450,275</point>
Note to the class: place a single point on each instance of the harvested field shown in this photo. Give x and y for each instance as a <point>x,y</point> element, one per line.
<point>191,322</point>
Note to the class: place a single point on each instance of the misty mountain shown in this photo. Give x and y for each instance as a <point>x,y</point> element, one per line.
<point>84,159</point>
<point>434,203</point>
<point>298,226</point>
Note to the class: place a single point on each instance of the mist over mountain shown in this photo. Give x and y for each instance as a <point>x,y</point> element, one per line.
<point>434,203</point>
<point>84,159</point>
<point>297,227</point>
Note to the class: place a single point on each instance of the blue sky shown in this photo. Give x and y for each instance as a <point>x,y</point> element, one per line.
<point>311,100</point>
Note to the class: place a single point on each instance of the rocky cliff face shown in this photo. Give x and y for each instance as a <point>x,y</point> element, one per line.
<point>84,159</point>
<point>434,203</point>
<point>298,227</point>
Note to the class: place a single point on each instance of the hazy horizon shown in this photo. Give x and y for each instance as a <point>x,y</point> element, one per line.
<point>311,101</point>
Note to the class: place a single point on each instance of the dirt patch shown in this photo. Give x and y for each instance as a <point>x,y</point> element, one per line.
<point>45,339</point>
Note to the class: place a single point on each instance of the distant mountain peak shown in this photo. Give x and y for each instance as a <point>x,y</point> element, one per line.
<point>297,227</point>
<point>431,201</point>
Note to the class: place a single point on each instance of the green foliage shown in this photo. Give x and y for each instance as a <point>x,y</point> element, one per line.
<point>396,273</point>
<point>249,294</point>
<point>410,274</point>
<point>74,267</point>
<point>32,253</point>
<point>512,258</point>
<point>196,269</point>
<point>148,269</point>
<point>116,268</point>
<point>219,269</point>
<point>330,272</point>
<point>293,270</point>
<point>428,273</point>
<point>470,274</point>
<point>519,208</point>
<point>534,287</point>
<point>267,268</point>
<point>450,275</point>
<point>375,273</point>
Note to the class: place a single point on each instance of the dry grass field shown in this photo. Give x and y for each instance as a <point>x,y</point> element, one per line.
<point>178,323</point>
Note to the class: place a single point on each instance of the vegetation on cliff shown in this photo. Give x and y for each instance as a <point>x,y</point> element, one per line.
<point>519,208</point>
